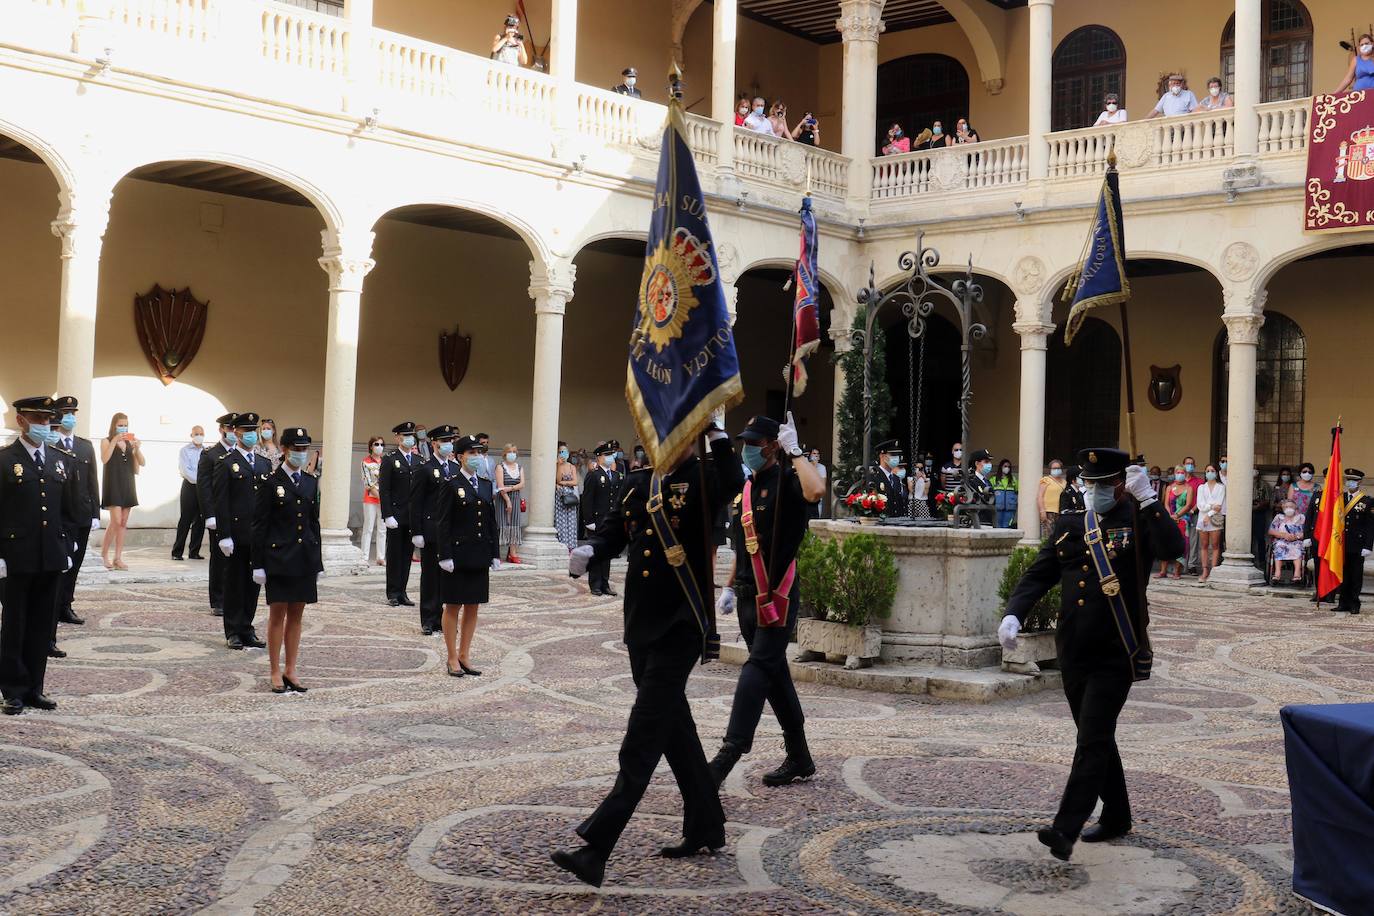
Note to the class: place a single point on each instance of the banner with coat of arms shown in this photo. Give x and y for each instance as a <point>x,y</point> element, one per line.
<point>1340,163</point>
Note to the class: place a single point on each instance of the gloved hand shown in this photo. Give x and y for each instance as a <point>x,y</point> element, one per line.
<point>226,546</point>
<point>578,560</point>
<point>446,565</point>
<point>1365,552</point>
<point>418,541</point>
<point>726,603</point>
<point>210,523</point>
<point>319,575</point>
<point>717,429</point>
<point>69,562</point>
<point>591,526</point>
<point>1138,483</point>
<point>390,521</point>
<point>95,524</point>
<point>1307,542</point>
<point>3,571</point>
<point>495,562</point>
<point>1006,633</point>
<point>787,436</point>
<point>260,576</point>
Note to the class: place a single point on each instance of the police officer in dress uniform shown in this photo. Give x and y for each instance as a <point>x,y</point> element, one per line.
<point>393,486</point>
<point>463,526</point>
<point>425,486</point>
<point>785,481</point>
<point>84,482</point>
<point>36,513</point>
<point>1100,558</point>
<point>665,522</point>
<point>205,480</point>
<point>980,487</point>
<point>1071,500</point>
<point>1359,538</point>
<point>882,476</point>
<point>600,494</point>
<point>233,492</point>
<point>628,78</point>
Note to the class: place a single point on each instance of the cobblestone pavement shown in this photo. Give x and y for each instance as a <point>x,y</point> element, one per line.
<point>171,779</point>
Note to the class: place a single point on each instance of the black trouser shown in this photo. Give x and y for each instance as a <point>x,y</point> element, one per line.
<point>26,625</point>
<point>660,724</point>
<point>66,590</point>
<point>765,676</point>
<point>191,520</point>
<point>599,576</point>
<point>216,578</point>
<point>1095,697</point>
<point>1352,579</point>
<point>431,608</point>
<point>240,592</point>
<point>398,554</point>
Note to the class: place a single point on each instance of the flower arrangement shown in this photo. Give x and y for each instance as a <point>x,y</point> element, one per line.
<point>867,503</point>
<point>945,502</point>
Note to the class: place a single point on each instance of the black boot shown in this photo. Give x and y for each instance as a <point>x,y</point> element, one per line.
<point>588,865</point>
<point>724,762</point>
<point>798,764</point>
<point>66,615</point>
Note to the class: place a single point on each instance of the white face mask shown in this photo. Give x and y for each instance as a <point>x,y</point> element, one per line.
<point>1056,472</point>
<point>1175,90</point>
<point>197,440</point>
<point>1366,48</point>
<point>510,456</point>
<point>958,453</point>
<point>378,449</point>
<point>1306,475</point>
<point>1289,511</point>
<point>1111,106</point>
<point>1214,91</point>
<point>630,82</point>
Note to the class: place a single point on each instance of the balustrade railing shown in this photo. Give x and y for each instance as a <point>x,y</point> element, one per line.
<point>607,116</point>
<point>1081,152</point>
<point>406,64</point>
<point>298,38</point>
<point>1283,125</point>
<point>966,167</point>
<point>828,172</point>
<point>521,94</point>
<point>1197,137</point>
<point>191,20</point>
<point>703,135</point>
<point>758,155</point>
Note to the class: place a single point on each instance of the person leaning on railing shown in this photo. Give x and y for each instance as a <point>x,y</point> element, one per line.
<point>1215,99</point>
<point>1178,100</point>
<point>1361,72</point>
<point>509,46</point>
<point>1112,112</point>
<point>897,141</point>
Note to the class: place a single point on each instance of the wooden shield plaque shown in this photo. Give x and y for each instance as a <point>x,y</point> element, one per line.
<point>171,326</point>
<point>454,352</point>
<point>1166,387</point>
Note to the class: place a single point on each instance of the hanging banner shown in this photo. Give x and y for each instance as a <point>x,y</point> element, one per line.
<point>1340,163</point>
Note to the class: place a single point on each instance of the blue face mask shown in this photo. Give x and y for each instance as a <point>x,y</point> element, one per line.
<point>69,421</point>
<point>473,462</point>
<point>1352,484</point>
<point>608,461</point>
<point>901,472</point>
<point>1101,497</point>
<point>893,460</point>
<point>563,453</point>
<point>249,438</point>
<point>619,456</point>
<point>407,441</point>
<point>752,456</point>
<point>1190,467</point>
<point>297,459</point>
<point>38,433</point>
<point>1211,475</point>
<point>445,449</point>
<point>231,439</point>
<point>122,429</point>
<point>267,435</point>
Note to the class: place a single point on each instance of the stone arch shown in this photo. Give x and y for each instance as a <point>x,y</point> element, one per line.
<point>540,251</point>
<point>1273,265</point>
<point>47,153</point>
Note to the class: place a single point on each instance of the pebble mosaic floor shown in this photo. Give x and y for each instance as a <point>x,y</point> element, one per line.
<point>171,780</point>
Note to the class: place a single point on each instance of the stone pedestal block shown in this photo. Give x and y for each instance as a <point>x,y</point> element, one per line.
<point>341,556</point>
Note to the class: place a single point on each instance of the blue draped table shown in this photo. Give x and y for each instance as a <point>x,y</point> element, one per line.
<point>1330,751</point>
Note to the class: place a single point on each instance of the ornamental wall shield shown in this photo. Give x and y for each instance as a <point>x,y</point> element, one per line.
<point>454,352</point>
<point>171,326</point>
<point>1166,388</point>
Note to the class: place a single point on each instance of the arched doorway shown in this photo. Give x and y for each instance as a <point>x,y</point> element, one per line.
<point>918,89</point>
<point>1280,393</point>
<point>596,334</point>
<point>30,263</point>
<point>1082,390</point>
<point>1088,64</point>
<point>1285,50</point>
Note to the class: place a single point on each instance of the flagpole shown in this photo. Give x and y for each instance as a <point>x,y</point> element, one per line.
<point>1126,350</point>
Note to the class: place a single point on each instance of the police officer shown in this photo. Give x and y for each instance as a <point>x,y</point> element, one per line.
<point>425,485</point>
<point>600,494</point>
<point>393,486</point>
<point>1071,500</point>
<point>463,528</point>
<point>35,550</point>
<point>664,519</point>
<point>883,478</point>
<point>763,584</point>
<point>286,552</point>
<point>980,487</point>
<point>234,490</point>
<point>205,479</point>
<point>84,474</point>
<point>1359,538</point>
<point>628,77</point>
<point>1100,558</point>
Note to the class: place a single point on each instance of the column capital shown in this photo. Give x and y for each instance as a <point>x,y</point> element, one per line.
<point>1242,300</point>
<point>860,20</point>
<point>1243,329</point>
<point>843,338</point>
<point>81,223</point>
<point>551,286</point>
<point>347,259</point>
<point>1034,335</point>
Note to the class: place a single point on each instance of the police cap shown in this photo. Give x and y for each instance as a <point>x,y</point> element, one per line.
<point>1354,474</point>
<point>248,420</point>
<point>228,419</point>
<point>891,446</point>
<point>759,429</point>
<point>1102,463</point>
<point>42,405</point>
<point>294,436</point>
<point>982,455</point>
<point>605,448</point>
<point>629,71</point>
<point>466,444</point>
<point>443,431</point>
<point>404,429</point>
<point>65,404</point>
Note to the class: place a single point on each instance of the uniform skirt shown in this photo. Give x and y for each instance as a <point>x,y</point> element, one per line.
<point>291,589</point>
<point>464,586</point>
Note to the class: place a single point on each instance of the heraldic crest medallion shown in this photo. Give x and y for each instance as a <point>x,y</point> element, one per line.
<point>171,325</point>
<point>666,297</point>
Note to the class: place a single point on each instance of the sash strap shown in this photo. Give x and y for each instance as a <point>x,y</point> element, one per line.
<point>676,555</point>
<point>771,606</point>
<point>1141,658</point>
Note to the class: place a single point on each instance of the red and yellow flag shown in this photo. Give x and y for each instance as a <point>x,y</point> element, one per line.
<point>1330,527</point>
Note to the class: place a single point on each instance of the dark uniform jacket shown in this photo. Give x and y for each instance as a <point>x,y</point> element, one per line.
<point>426,488</point>
<point>35,511</point>
<point>600,494</point>
<point>632,91</point>
<point>393,484</point>
<point>654,599</point>
<point>84,481</point>
<point>205,479</point>
<point>286,525</point>
<point>234,495</point>
<point>1359,522</point>
<point>1087,635</point>
<point>766,494</point>
<point>465,523</point>
<point>891,486</point>
<point>1071,500</point>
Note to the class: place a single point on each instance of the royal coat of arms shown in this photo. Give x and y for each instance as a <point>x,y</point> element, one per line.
<point>666,296</point>
<point>171,325</point>
<point>1355,161</point>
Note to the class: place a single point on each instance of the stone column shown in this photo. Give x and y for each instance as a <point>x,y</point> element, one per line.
<point>1035,336</point>
<point>860,24</point>
<point>1248,90</point>
<point>347,259</point>
<point>724,29</point>
<point>843,344</point>
<point>1040,84</point>
<point>1244,316</point>
<point>82,231</point>
<point>551,288</point>
<point>362,57</point>
<point>563,41</point>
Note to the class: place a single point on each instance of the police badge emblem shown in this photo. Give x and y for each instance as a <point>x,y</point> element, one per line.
<point>234,467</point>
<point>462,493</point>
<point>281,492</point>
<point>18,470</point>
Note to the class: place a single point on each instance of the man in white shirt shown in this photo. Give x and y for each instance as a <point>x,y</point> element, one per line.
<point>1176,101</point>
<point>757,120</point>
<point>191,521</point>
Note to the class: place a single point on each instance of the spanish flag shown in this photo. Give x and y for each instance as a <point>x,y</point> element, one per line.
<point>1330,527</point>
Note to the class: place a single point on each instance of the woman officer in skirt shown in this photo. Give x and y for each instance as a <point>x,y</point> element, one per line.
<point>286,553</point>
<point>465,523</point>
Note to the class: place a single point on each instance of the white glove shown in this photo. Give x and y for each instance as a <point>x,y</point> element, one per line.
<point>95,524</point>
<point>718,432</point>
<point>725,604</point>
<point>390,521</point>
<point>591,526</point>
<point>210,523</point>
<point>578,560</point>
<point>1138,483</point>
<point>787,436</point>
<point>319,575</point>
<point>69,562</point>
<point>260,576</point>
<point>226,546</point>
<point>3,571</point>
<point>418,541</point>
<point>446,565</point>
<point>1365,552</point>
<point>495,563</point>
<point>1006,633</point>
<point>1307,542</point>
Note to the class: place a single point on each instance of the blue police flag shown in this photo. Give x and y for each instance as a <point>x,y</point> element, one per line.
<point>1102,280</point>
<point>682,364</point>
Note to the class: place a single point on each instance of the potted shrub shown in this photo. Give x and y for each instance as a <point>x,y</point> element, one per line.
<point>849,583</point>
<point>1035,644</point>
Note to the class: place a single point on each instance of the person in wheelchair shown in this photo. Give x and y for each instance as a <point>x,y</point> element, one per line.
<point>1285,538</point>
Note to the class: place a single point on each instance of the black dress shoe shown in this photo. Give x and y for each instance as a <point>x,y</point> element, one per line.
<point>721,764</point>
<point>40,701</point>
<point>394,602</point>
<point>54,652</point>
<point>177,558</point>
<point>610,592</point>
<point>67,615</point>
<point>216,612</point>
<point>196,556</point>
<point>688,848</point>
<point>791,771</point>
<point>234,642</point>
<point>1060,846</point>
<point>586,864</point>
<point>293,686</point>
<point>405,599</point>
<point>11,706</point>
<point>251,641</point>
<point>426,630</point>
<point>1101,833</point>
<point>596,593</point>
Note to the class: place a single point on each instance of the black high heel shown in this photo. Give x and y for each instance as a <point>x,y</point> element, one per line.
<point>459,673</point>
<point>292,685</point>
<point>276,689</point>
<point>466,670</point>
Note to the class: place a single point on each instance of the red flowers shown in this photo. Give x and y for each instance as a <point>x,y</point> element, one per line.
<point>870,502</point>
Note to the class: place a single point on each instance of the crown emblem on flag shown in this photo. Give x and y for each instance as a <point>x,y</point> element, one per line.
<point>666,298</point>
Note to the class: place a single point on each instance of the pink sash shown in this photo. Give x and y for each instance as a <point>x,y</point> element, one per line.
<point>771,604</point>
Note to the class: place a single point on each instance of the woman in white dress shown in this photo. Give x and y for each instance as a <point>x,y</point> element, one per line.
<point>1211,520</point>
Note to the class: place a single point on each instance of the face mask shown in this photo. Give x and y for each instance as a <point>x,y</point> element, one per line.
<point>378,449</point>
<point>1352,484</point>
<point>267,435</point>
<point>896,135</point>
<point>901,473</point>
<point>38,433</point>
<point>1111,106</point>
<point>987,468</point>
<point>1289,511</point>
<point>122,429</point>
<point>1154,478</point>
<point>563,454</point>
<point>1366,49</point>
<point>619,456</point>
<point>963,128</point>
<point>1175,90</point>
<point>1189,467</point>
<point>639,453</point>
<point>958,453</point>
<point>937,131</point>
<point>1101,496</point>
<point>743,110</point>
<point>473,462</point>
<point>1056,472</point>
<point>1306,475</point>
<point>510,456</point>
<point>1006,470</point>
<point>1179,478</point>
<point>197,440</point>
<point>297,459</point>
<point>407,441</point>
<point>815,459</point>
<point>1222,465</point>
<point>1211,475</point>
<point>421,434</point>
<point>1283,478</point>
<point>893,461</point>
<point>249,438</point>
<point>445,449</point>
<point>51,436</point>
<point>630,82</point>
<point>758,109</point>
<point>231,439</point>
<point>69,421</point>
<point>608,461</point>
<point>1213,91</point>
<point>752,456</point>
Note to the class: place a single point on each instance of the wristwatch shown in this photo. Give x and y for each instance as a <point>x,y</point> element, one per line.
<point>795,453</point>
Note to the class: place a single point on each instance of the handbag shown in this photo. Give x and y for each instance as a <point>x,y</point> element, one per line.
<point>523,508</point>
<point>567,496</point>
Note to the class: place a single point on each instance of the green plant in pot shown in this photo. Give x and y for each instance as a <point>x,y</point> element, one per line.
<point>1044,615</point>
<point>850,580</point>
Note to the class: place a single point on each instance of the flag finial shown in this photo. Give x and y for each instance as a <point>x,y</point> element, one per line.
<point>675,83</point>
